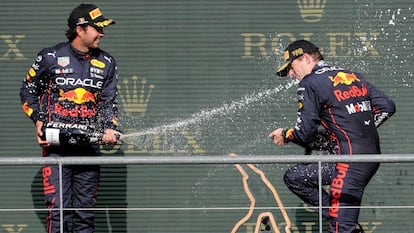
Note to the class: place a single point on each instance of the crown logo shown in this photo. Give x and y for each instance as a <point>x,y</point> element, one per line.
<point>311,10</point>
<point>135,97</point>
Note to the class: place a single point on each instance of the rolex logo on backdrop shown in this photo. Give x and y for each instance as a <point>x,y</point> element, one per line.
<point>135,95</point>
<point>336,43</point>
<point>11,51</point>
<point>14,228</point>
<point>311,10</point>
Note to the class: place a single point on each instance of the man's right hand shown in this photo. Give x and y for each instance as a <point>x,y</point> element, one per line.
<point>277,136</point>
<point>39,135</point>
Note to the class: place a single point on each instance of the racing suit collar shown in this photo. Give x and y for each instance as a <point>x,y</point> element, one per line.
<point>320,64</point>
<point>81,55</point>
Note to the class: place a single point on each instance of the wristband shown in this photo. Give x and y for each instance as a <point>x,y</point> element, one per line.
<point>287,135</point>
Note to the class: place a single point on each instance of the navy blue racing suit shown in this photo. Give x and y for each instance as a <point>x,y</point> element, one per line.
<point>302,178</point>
<point>66,86</point>
<point>350,109</point>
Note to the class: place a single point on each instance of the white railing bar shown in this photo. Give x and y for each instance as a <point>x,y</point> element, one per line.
<point>207,159</point>
<point>202,208</point>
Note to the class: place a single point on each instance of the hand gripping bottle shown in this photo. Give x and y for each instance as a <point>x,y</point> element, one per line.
<point>56,133</point>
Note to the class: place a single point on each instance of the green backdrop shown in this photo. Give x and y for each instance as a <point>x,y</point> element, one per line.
<point>197,78</point>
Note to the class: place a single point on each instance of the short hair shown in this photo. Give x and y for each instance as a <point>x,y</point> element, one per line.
<point>317,55</point>
<point>71,33</point>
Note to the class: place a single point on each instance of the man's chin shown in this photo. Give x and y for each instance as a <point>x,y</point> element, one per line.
<point>96,44</point>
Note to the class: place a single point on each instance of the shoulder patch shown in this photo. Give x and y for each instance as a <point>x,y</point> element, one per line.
<point>97,63</point>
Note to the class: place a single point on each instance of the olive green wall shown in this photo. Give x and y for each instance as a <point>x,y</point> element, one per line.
<point>197,78</point>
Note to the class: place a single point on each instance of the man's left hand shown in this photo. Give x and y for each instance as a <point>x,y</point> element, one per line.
<point>111,136</point>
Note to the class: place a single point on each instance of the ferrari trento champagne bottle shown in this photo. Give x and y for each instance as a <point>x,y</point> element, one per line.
<point>69,134</point>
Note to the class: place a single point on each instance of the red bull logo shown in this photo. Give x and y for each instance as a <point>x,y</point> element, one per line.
<point>336,189</point>
<point>78,96</point>
<point>343,78</point>
<point>78,111</point>
<point>48,188</point>
<point>352,92</point>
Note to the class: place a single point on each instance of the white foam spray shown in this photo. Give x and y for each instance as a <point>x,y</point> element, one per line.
<point>206,115</point>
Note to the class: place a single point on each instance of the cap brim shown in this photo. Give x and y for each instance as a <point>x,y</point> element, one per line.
<point>104,23</point>
<point>284,69</point>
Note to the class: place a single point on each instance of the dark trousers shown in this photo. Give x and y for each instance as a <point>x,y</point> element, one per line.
<point>79,188</point>
<point>348,182</point>
<point>302,180</point>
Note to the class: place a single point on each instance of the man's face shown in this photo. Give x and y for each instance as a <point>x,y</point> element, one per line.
<point>300,67</point>
<point>91,36</point>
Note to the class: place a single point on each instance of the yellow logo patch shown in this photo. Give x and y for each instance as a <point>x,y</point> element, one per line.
<point>95,13</point>
<point>286,55</point>
<point>97,63</point>
<point>32,72</point>
<point>104,23</point>
<point>297,52</point>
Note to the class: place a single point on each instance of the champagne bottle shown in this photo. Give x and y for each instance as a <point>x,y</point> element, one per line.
<point>58,133</point>
<point>70,136</point>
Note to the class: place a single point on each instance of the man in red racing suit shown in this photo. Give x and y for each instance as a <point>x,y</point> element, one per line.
<point>350,109</point>
<point>73,84</point>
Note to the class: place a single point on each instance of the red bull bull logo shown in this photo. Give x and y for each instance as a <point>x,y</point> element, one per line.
<point>343,78</point>
<point>78,96</point>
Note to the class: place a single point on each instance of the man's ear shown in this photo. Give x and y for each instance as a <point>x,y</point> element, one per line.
<point>79,30</point>
<point>308,58</point>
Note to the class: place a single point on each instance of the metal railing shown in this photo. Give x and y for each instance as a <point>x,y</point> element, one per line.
<point>205,159</point>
